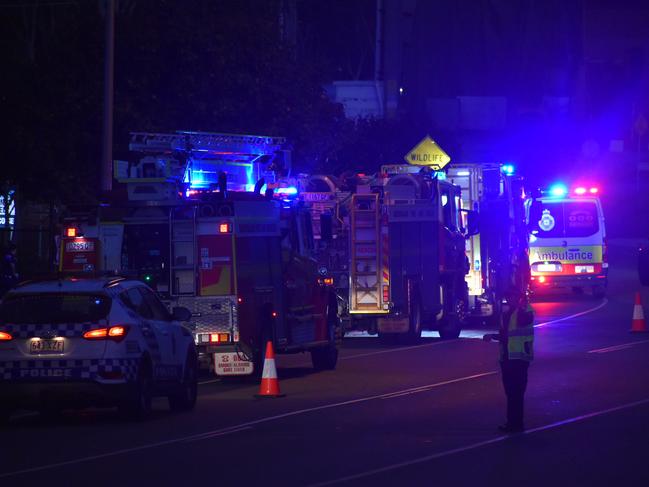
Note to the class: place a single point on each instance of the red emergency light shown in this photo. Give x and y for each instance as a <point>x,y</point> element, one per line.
<point>225,227</point>
<point>582,190</point>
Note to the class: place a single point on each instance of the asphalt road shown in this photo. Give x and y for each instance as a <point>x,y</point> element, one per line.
<point>418,415</point>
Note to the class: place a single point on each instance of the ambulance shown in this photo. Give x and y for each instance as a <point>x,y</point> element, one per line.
<point>567,242</point>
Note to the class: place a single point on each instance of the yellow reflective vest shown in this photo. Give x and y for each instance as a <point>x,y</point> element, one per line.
<point>519,336</point>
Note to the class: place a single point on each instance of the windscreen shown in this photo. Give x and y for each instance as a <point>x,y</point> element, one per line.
<point>563,219</point>
<point>54,308</point>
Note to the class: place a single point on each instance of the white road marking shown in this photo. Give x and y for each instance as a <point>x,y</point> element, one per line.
<point>416,390</point>
<point>219,433</point>
<point>480,444</point>
<point>229,429</point>
<point>615,348</point>
<point>293,413</point>
<point>400,349</point>
<point>582,313</point>
<point>208,381</point>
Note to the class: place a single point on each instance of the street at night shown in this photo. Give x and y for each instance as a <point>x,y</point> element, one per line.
<point>305,243</point>
<point>422,414</point>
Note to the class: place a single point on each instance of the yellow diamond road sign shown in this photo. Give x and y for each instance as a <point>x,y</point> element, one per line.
<point>428,153</point>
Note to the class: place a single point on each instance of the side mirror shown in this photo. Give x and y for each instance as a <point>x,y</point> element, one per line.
<point>473,222</point>
<point>180,313</point>
<point>326,227</point>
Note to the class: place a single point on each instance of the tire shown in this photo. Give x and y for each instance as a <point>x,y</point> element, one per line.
<point>185,397</point>
<point>599,292</point>
<point>325,358</point>
<point>451,325</point>
<point>137,404</point>
<point>413,335</point>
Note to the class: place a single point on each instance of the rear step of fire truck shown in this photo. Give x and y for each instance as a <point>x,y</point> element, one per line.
<point>365,273</point>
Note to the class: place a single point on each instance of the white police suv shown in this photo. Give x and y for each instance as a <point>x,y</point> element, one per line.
<point>79,342</point>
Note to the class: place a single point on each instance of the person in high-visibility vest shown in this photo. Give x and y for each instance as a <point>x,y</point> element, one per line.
<point>516,338</point>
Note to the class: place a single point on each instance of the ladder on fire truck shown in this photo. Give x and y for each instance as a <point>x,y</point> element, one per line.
<point>365,272</point>
<point>208,142</point>
<point>182,229</point>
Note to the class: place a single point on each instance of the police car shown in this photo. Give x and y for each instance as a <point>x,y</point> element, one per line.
<point>79,342</point>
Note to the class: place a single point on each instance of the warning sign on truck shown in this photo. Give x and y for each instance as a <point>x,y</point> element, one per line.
<point>232,363</point>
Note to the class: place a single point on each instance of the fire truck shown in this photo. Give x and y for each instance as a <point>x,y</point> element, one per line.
<point>206,224</point>
<point>404,241</point>
<point>498,254</point>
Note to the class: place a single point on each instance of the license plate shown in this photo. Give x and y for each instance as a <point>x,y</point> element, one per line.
<point>232,363</point>
<point>584,269</point>
<point>547,267</point>
<point>47,346</point>
<point>80,246</point>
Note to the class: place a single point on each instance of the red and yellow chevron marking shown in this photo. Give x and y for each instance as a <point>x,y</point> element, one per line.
<point>385,259</point>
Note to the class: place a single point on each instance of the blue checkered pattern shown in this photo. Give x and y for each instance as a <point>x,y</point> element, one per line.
<point>82,369</point>
<point>68,330</point>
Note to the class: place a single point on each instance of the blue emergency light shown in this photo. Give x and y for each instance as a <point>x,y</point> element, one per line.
<point>558,190</point>
<point>508,169</point>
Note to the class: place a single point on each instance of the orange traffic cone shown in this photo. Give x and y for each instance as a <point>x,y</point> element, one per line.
<point>638,324</point>
<point>269,386</point>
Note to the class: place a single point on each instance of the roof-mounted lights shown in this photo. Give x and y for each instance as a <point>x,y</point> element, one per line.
<point>508,169</point>
<point>558,190</point>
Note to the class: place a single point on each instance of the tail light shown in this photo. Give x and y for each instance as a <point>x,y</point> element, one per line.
<point>5,337</point>
<point>386,293</point>
<point>115,333</point>
<point>219,337</point>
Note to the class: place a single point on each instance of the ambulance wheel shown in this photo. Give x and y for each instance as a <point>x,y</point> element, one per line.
<point>137,404</point>
<point>184,399</point>
<point>325,358</point>
<point>599,292</point>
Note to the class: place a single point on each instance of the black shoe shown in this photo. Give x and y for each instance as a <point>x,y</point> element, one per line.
<point>509,429</point>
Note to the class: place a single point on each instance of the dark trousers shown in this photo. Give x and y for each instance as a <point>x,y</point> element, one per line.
<point>514,374</point>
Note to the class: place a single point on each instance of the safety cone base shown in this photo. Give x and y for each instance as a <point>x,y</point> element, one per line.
<point>269,396</point>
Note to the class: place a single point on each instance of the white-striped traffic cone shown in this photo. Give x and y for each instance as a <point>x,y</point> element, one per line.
<point>269,386</point>
<point>638,323</point>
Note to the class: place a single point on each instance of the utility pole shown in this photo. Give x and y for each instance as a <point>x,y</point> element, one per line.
<point>109,68</point>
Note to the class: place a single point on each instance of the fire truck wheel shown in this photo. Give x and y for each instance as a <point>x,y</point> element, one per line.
<point>599,292</point>
<point>325,358</point>
<point>184,399</point>
<point>451,325</point>
<point>137,404</point>
<point>414,325</point>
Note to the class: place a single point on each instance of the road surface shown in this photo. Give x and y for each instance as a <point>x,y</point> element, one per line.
<point>417,415</point>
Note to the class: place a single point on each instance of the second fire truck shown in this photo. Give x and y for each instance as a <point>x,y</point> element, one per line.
<point>404,239</point>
